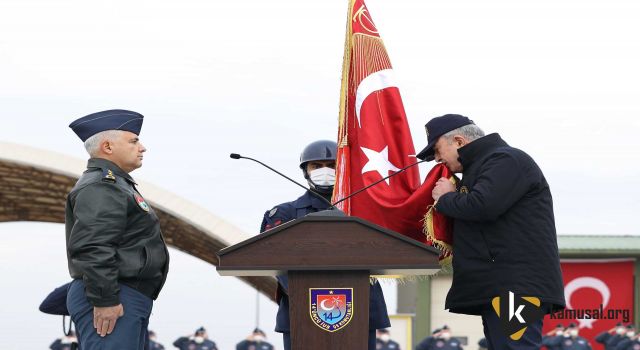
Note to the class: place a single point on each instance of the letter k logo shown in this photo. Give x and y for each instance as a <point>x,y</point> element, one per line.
<point>521,311</point>
<point>518,311</point>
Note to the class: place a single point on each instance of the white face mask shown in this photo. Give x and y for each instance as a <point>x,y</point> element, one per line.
<point>573,332</point>
<point>323,176</point>
<point>620,330</point>
<point>198,339</point>
<point>630,334</point>
<point>445,336</point>
<point>258,338</point>
<point>559,332</point>
<point>384,337</point>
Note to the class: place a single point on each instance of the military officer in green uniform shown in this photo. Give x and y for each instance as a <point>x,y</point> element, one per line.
<point>115,250</point>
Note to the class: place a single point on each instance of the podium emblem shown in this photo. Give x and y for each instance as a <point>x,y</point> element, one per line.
<point>331,309</point>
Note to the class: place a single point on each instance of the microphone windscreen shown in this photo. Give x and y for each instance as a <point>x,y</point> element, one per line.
<point>234,155</point>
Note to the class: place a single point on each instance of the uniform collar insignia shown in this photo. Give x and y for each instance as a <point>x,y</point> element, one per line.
<point>107,175</point>
<point>107,165</point>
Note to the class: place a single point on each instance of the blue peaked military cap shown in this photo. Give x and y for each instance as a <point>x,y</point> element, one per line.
<point>437,127</point>
<point>113,119</point>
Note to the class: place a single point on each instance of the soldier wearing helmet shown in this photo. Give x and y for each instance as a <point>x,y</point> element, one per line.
<point>317,162</point>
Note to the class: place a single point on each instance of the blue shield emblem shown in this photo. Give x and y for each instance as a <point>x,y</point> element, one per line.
<point>331,309</point>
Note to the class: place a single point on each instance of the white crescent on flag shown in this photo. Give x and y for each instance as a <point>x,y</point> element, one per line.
<point>379,80</point>
<point>587,282</point>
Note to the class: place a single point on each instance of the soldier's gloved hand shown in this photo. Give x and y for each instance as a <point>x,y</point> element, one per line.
<point>104,318</point>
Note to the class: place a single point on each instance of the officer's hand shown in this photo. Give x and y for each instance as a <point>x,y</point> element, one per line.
<point>443,186</point>
<point>104,318</point>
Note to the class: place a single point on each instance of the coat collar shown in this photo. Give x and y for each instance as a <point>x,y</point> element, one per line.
<point>308,199</point>
<point>479,148</point>
<point>105,165</point>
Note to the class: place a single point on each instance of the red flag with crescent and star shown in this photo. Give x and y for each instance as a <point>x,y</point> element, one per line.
<point>599,294</point>
<point>374,141</point>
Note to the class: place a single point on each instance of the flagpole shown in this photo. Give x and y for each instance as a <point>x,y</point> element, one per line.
<point>257,308</point>
<point>346,65</point>
<point>342,186</point>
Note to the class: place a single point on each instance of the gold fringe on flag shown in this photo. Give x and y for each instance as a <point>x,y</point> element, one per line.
<point>344,88</point>
<point>369,55</point>
<point>431,233</point>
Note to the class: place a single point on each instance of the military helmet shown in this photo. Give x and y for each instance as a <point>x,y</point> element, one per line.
<point>321,150</point>
<point>318,150</point>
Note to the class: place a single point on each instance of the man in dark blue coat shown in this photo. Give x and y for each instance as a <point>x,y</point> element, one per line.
<point>152,343</point>
<point>426,342</point>
<point>549,339</point>
<point>628,339</point>
<point>441,340</point>
<point>198,341</point>
<point>612,337</point>
<point>384,341</point>
<point>256,341</point>
<point>317,162</point>
<point>68,342</point>
<point>570,340</point>
<point>504,236</point>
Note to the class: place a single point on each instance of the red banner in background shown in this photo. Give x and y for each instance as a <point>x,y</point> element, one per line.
<point>599,294</point>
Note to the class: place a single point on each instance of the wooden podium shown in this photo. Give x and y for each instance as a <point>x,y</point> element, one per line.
<point>328,260</point>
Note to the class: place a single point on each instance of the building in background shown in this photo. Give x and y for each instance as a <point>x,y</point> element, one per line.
<point>599,277</point>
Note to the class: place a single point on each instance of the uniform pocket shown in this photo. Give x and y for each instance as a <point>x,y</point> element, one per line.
<point>146,262</point>
<point>491,256</point>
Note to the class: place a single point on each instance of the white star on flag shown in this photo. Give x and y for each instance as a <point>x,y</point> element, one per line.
<point>378,161</point>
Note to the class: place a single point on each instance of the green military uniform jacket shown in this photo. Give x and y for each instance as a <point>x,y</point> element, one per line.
<point>113,236</point>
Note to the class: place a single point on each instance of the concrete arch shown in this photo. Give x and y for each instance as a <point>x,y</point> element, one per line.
<point>34,184</point>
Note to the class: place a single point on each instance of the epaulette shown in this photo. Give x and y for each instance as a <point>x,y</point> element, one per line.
<point>107,176</point>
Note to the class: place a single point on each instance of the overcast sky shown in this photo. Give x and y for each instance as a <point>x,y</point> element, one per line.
<point>557,78</point>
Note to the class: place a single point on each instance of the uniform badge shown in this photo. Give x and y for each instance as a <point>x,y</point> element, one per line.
<point>272,212</point>
<point>439,343</point>
<point>464,189</point>
<point>141,202</point>
<point>636,346</point>
<point>331,309</point>
<point>568,342</point>
<point>107,174</point>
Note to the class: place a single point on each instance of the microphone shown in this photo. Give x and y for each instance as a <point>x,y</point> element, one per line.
<point>237,156</point>
<point>379,181</point>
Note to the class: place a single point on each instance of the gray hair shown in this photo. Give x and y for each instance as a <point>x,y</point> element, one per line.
<point>470,132</point>
<point>92,145</point>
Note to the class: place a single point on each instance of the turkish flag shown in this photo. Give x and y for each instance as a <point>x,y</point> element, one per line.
<point>374,140</point>
<point>604,288</point>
